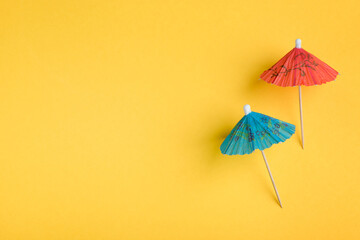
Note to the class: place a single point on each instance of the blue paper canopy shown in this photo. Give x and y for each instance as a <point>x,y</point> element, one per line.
<point>256,131</point>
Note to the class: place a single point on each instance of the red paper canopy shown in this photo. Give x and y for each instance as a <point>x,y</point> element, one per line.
<point>297,68</point>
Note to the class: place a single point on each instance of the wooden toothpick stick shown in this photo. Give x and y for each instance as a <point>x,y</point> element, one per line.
<point>272,180</point>
<point>301,119</point>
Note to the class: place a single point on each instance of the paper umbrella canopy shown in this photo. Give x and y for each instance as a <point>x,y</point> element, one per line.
<point>256,131</point>
<point>299,67</point>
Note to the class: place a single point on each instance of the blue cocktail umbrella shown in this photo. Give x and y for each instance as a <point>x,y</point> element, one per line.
<point>256,131</point>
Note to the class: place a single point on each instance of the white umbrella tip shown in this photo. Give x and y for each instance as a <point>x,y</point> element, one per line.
<point>247,109</point>
<point>298,43</point>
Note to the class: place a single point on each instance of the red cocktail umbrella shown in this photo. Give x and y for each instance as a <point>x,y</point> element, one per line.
<point>299,67</point>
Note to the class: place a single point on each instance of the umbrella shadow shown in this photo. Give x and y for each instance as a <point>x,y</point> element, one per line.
<point>268,92</point>
<point>215,141</point>
<point>299,138</point>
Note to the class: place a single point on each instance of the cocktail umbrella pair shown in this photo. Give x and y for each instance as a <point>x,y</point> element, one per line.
<point>258,131</point>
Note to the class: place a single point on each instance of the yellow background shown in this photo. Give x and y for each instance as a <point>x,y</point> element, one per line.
<point>113,112</point>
